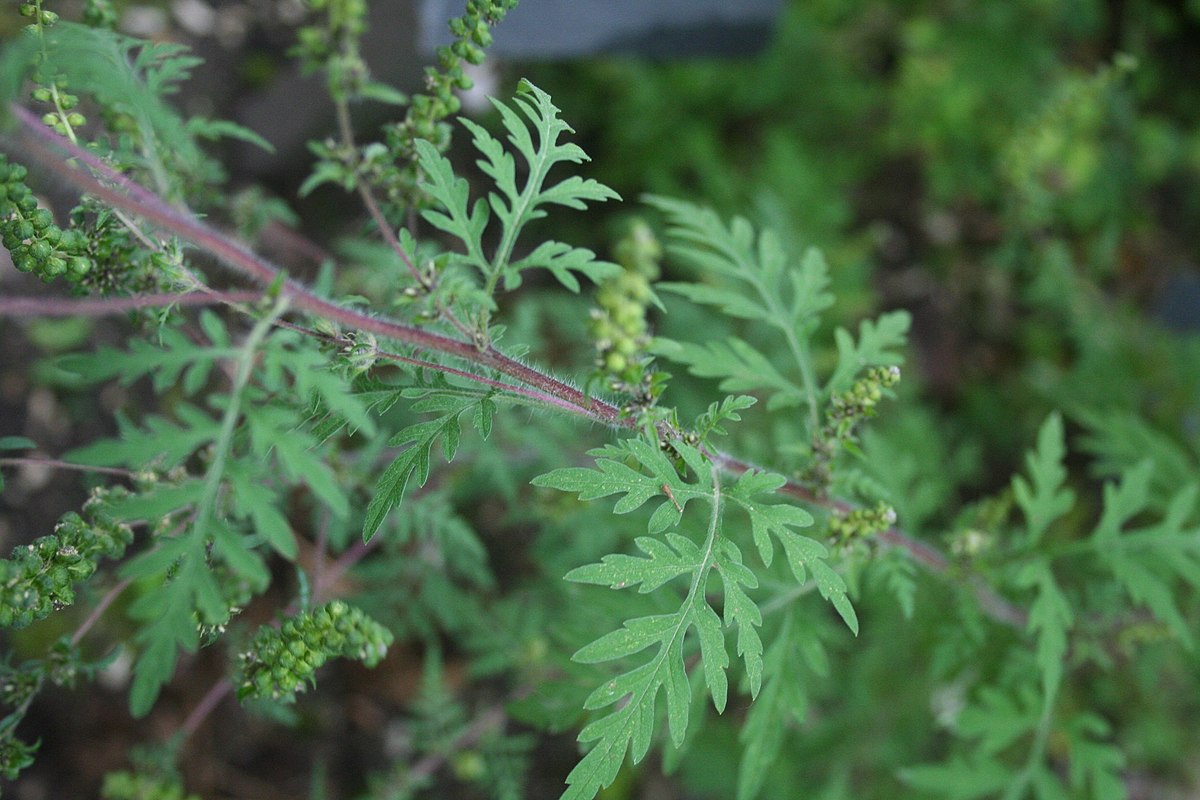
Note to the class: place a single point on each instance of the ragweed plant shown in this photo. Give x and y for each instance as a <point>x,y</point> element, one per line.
<point>324,473</point>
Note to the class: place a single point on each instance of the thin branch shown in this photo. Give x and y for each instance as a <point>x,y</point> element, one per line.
<point>346,131</point>
<point>42,144</point>
<point>99,610</point>
<point>55,463</point>
<point>992,602</point>
<point>104,306</point>
<point>381,222</point>
<point>203,709</point>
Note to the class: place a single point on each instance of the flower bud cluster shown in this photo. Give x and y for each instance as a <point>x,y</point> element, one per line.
<point>282,660</point>
<point>358,353</point>
<point>346,22</point>
<point>473,35</point>
<point>41,576</point>
<point>100,14</point>
<point>34,11</point>
<point>29,234</point>
<point>849,408</point>
<point>333,46</point>
<point>51,87</point>
<point>842,418</point>
<point>862,523</point>
<point>427,111</point>
<point>121,264</point>
<point>618,327</point>
<point>63,120</point>
<point>15,756</point>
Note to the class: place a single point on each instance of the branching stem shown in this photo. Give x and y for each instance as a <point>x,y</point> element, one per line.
<point>137,200</point>
<point>385,228</point>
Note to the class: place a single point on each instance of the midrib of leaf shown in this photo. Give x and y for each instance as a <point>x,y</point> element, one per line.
<point>686,615</point>
<point>539,167</point>
<point>224,443</point>
<point>1037,753</point>
<point>799,350</point>
<point>147,684</point>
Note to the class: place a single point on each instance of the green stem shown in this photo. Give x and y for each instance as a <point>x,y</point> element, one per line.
<point>799,349</point>
<point>537,175</point>
<point>1037,753</point>
<point>206,507</point>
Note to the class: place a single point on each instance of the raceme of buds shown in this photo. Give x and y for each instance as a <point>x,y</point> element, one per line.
<point>281,661</point>
<point>427,112</point>
<point>618,326</point>
<point>50,86</point>
<point>40,577</point>
<point>29,234</point>
<point>847,409</point>
<point>843,415</point>
<point>862,523</point>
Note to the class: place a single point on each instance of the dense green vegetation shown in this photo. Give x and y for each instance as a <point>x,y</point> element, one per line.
<point>830,432</point>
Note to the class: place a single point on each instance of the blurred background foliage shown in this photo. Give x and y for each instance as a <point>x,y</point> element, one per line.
<point>1022,176</point>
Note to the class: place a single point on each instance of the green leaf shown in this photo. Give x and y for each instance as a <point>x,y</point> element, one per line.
<point>896,570</point>
<point>767,520</point>
<point>1146,561</point>
<point>740,611</point>
<point>997,719</point>
<point>630,727</point>
<point>1096,765</point>
<point>164,363</point>
<point>1050,619</point>
<point>129,76</point>
<point>739,366</point>
<point>1121,441</point>
<point>413,462</point>
<point>876,345</point>
<point>312,379</point>
<point>667,560</point>
<point>516,203</point>
<point>731,303</point>
<point>614,476</point>
<point>214,129</point>
<point>452,194</point>
<point>560,259</point>
<point>1046,500</point>
<point>781,704</point>
<point>959,779</point>
<point>169,614</point>
<point>833,588</point>
<point>162,443</point>
<point>258,502</point>
<point>754,281</point>
<point>710,422</point>
<point>383,93</point>
<point>238,553</point>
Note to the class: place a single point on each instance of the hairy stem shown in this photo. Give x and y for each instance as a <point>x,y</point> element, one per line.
<point>103,306</point>
<point>992,603</point>
<point>138,200</point>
